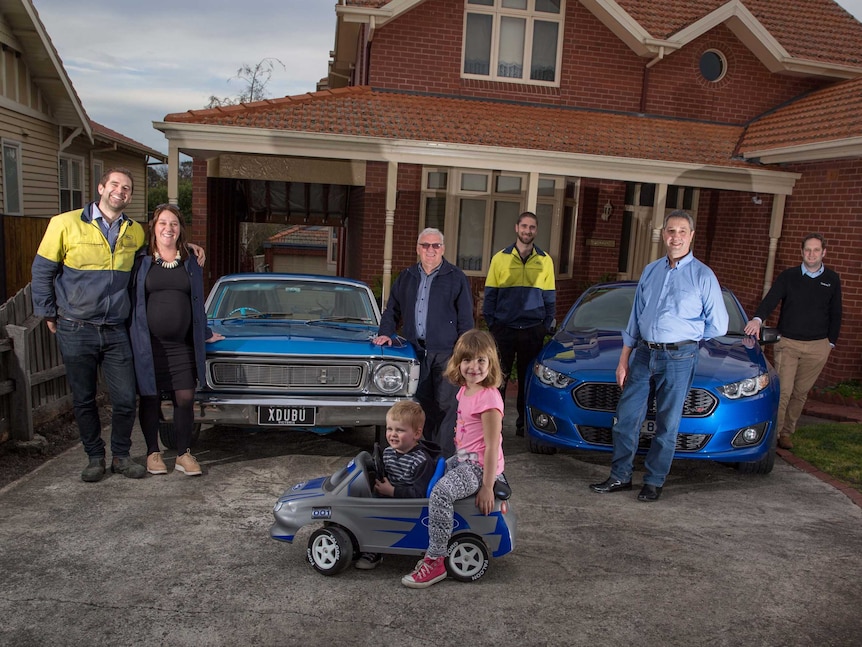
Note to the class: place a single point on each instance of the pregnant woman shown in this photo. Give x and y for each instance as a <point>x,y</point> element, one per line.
<point>169,335</point>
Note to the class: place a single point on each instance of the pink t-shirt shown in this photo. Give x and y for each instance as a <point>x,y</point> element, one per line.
<point>469,433</point>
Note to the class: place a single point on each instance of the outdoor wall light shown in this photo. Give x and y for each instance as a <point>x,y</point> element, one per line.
<point>607,211</point>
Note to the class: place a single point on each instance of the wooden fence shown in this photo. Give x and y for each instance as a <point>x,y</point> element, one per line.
<point>33,387</point>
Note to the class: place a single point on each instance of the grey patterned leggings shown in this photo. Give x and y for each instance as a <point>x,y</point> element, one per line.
<point>460,481</point>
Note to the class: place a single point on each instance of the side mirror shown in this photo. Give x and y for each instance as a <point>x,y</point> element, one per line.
<point>769,335</point>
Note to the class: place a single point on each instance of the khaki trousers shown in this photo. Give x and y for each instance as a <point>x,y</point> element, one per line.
<point>798,364</point>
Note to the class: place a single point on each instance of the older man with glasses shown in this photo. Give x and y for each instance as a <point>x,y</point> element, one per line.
<point>433,304</point>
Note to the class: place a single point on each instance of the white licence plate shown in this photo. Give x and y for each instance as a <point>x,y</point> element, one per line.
<point>648,428</point>
<point>286,416</point>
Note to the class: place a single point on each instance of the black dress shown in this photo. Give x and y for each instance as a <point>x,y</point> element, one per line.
<point>169,317</point>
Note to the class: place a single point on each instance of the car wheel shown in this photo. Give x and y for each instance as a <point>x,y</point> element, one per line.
<point>467,558</point>
<point>764,465</point>
<point>169,435</point>
<point>539,448</point>
<point>329,550</point>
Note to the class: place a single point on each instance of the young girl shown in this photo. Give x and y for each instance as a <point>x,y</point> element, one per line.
<point>474,366</point>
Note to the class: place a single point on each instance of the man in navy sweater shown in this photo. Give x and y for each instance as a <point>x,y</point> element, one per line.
<point>809,323</point>
<point>432,303</point>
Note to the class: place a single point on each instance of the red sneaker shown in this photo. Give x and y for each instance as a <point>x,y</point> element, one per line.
<point>427,572</point>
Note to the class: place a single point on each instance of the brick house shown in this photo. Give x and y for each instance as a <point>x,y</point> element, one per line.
<point>599,115</point>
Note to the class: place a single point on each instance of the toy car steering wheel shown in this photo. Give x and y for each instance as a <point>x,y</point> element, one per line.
<point>377,471</point>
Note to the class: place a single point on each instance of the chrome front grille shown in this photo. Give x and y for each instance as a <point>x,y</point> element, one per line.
<point>604,396</point>
<point>286,376</point>
<point>603,436</point>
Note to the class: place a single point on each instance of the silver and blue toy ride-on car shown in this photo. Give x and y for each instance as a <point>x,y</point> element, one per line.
<point>355,521</point>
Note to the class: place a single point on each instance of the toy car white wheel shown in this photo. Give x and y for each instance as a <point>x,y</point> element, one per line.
<point>467,558</point>
<point>329,550</point>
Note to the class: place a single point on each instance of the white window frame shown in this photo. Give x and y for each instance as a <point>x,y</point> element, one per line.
<point>71,160</point>
<point>498,12</point>
<point>332,249</point>
<point>19,151</point>
<point>96,175</point>
<point>454,194</point>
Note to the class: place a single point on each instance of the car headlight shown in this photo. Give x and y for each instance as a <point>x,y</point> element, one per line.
<point>388,378</point>
<point>745,388</point>
<point>551,377</point>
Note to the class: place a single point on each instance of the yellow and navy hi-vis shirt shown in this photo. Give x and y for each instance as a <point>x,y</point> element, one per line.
<point>519,294</point>
<point>75,274</point>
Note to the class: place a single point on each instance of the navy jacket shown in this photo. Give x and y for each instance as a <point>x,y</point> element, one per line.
<point>415,484</point>
<point>139,330</point>
<point>450,307</point>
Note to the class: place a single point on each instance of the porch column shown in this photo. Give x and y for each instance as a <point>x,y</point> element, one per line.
<point>173,173</point>
<point>658,221</point>
<point>391,196</point>
<point>775,225</point>
<point>532,191</point>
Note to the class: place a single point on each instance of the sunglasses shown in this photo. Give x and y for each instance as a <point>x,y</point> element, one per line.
<point>432,245</point>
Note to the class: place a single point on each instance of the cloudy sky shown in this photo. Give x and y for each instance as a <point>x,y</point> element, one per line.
<point>134,62</point>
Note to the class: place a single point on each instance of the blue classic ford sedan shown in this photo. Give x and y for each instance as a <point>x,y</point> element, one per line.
<point>297,354</point>
<point>729,415</point>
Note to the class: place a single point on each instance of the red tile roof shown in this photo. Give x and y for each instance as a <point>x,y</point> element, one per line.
<point>818,30</point>
<point>373,4</point>
<point>301,236</point>
<point>106,133</point>
<point>365,112</point>
<point>826,115</point>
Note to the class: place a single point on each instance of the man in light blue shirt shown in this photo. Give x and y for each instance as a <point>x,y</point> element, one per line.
<point>678,302</point>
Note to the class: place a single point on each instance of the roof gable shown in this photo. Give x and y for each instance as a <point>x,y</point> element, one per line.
<point>45,65</point>
<point>782,34</point>
<point>807,37</point>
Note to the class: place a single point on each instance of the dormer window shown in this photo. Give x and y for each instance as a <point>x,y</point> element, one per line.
<point>513,40</point>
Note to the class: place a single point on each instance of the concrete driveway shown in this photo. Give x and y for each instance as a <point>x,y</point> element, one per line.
<point>722,559</point>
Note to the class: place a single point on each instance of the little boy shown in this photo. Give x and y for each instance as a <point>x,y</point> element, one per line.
<point>409,460</point>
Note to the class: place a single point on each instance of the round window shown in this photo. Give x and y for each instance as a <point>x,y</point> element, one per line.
<point>713,65</point>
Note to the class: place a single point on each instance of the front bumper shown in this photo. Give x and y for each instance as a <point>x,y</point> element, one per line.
<point>709,437</point>
<point>243,411</point>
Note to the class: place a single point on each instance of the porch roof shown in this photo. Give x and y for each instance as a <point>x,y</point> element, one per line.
<point>826,124</point>
<point>364,111</point>
<point>364,123</point>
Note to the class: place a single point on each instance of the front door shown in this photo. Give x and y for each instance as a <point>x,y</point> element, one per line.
<point>636,248</point>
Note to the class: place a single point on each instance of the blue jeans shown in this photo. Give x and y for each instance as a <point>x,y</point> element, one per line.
<point>85,347</point>
<point>671,372</point>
